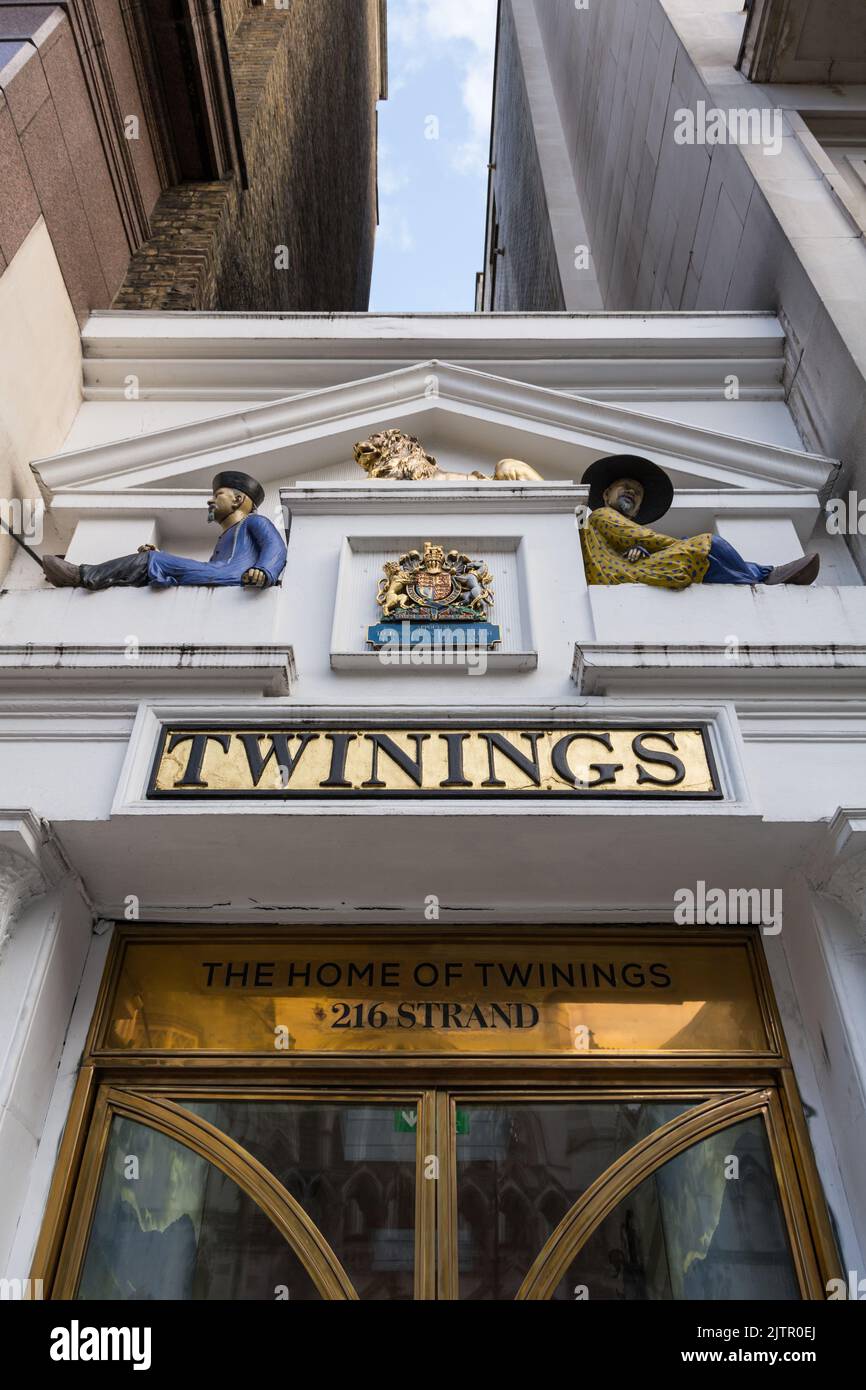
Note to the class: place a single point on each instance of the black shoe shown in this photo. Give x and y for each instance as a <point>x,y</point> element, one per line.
<point>61,573</point>
<point>803,571</point>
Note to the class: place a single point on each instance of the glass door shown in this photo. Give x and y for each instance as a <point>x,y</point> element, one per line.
<point>219,1196</point>
<point>208,1193</point>
<point>638,1199</point>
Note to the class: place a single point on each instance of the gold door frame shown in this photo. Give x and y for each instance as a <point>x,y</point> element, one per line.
<point>645,1159</point>
<point>721,1086</point>
<point>175,1121</point>
<point>209,1143</point>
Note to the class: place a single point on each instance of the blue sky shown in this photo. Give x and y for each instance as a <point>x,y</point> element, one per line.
<point>434,133</point>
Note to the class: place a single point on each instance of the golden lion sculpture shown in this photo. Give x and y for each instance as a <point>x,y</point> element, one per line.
<point>392,594</point>
<point>402,458</point>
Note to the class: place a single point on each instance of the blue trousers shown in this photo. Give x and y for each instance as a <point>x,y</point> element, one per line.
<point>727,566</point>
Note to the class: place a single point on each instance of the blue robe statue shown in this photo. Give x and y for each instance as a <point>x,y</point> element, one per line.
<point>254,543</point>
<point>251,544</point>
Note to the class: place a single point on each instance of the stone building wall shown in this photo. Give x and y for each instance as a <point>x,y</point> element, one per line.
<point>233,13</point>
<point>301,236</point>
<point>526,276</point>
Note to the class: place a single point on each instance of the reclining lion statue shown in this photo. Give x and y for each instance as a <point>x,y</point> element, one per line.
<point>402,458</point>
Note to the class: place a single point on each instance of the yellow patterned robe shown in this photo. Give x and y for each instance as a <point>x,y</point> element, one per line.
<point>671,564</point>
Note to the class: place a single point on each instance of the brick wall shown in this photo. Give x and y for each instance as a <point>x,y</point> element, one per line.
<point>306,87</point>
<point>233,13</point>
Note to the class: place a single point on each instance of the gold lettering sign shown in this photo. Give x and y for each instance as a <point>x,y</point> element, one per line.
<point>568,761</point>
<point>574,993</point>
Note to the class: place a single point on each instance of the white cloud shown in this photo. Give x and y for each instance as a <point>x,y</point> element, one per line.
<point>462,31</point>
<point>471,157</point>
<point>473,20</point>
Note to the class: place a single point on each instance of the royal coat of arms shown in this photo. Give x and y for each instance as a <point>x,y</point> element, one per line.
<point>437,587</point>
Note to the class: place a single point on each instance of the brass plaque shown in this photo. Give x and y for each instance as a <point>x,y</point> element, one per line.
<point>577,993</point>
<point>573,760</point>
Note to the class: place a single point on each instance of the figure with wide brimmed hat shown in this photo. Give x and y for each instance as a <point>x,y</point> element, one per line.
<point>626,493</point>
<point>250,552</point>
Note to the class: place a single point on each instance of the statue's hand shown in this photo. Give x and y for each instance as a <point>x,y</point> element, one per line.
<point>143,549</point>
<point>636,553</point>
<point>256,578</point>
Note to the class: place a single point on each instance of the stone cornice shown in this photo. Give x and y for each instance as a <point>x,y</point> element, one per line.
<point>840,869</point>
<point>121,333</point>
<point>265,357</point>
<point>606,668</point>
<point>269,671</point>
<point>265,435</point>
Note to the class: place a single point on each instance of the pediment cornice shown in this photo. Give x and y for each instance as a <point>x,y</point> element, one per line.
<point>289,437</point>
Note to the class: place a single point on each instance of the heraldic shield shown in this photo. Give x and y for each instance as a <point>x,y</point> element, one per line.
<point>438,596</point>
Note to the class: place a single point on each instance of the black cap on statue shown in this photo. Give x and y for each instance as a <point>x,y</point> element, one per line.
<point>241,482</point>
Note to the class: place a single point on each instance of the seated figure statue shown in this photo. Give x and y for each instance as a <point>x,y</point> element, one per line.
<point>250,550</point>
<point>625,493</point>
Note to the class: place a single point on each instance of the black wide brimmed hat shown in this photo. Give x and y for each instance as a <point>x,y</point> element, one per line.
<point>657,486</point>
<point>241,482</point>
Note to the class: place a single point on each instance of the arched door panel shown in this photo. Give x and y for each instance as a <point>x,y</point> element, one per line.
<point>695,1211</point>
<point>520,1165</point>
<point>350,1165</point>
<point>168,1207</point>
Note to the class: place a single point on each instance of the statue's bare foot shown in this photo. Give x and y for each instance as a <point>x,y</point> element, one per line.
<point>61,573</point>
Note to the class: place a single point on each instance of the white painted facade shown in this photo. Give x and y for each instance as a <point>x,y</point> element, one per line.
<point>779,675</point>
<point>40,368</point>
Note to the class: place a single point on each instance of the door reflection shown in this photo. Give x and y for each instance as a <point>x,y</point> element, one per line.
<point>521,1167</point>
<point>170,1225</point>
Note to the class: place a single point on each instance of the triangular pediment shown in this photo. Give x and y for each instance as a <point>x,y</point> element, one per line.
<point>467,419</point>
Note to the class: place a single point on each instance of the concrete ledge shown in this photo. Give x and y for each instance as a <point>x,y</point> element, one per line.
<point>458,660</point>
<point>607,670</point>
<point>194,618</point>
<point>112,669</point>
<point>725,615</point>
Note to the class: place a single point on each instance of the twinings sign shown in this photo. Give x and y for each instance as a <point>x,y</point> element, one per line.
<point>573,760</point>
<point>558,993</point>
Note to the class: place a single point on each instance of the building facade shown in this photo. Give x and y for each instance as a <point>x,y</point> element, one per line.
<point>315,946</point>
<point>666,156</point>
<point>166,155</point>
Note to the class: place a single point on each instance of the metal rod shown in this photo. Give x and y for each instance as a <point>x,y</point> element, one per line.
<point>23,544</point>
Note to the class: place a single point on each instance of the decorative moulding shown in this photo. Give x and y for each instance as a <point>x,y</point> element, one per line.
<point>274,440</point>
<point>30,863</point>
<point>605,668</point>
<point>720,718</point>
<point>840,867</point>
<point>268,670</point>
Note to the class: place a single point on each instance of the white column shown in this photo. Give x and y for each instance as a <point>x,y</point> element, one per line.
<point>830,972</point>
<point>46,924</point>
